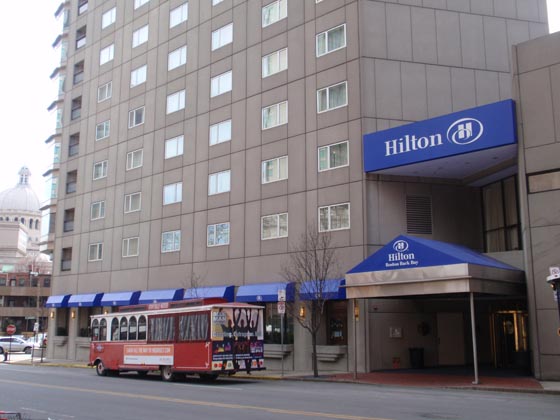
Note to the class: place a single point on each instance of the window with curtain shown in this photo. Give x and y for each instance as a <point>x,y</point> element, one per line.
<point>501,218</point>
<point>193,327</point>
<point>161,328</point>
<point>333,156</point>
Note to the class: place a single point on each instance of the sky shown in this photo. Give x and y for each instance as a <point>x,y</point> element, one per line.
<point>29,62</point>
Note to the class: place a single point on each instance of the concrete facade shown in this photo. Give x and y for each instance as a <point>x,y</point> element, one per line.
<point>402,61</point>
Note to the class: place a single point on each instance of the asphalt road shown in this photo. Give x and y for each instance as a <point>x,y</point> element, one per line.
<point>61,393</point>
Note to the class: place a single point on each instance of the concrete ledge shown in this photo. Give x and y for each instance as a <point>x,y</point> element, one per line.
<point>331,353</point>
<point>275,351</point>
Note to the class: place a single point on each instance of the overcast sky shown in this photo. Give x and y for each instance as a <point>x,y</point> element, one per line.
<point>27,90</point>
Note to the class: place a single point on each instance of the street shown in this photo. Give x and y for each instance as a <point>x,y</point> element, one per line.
<point>61,393</point>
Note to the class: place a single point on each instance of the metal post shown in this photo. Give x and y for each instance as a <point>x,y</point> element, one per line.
<point>282,340</point>
<point>473,329</point>
<point>355,375</point>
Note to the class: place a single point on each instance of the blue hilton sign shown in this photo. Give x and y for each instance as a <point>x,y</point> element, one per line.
<point>471,130</point>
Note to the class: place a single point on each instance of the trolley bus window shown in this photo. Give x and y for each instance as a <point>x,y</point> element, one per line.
<point>124,329</point>
<point>142,328</point>
<point>115,329</point>
<point>161,328</point>
<point>132,330</point>
<point>95,330</point>
<point>193,327</point>
<point>103,330</point>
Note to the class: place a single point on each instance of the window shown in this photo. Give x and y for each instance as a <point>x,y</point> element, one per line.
<point>273,323</point>
<point>274,169</point>
<point>138,3</point>
<point>82,7</point>
<point>194,327</point>
<point>66,260</point>
<point>74,144</point>
<point>217,234</point>
<point>134,159</point>
<point>130,247</point>
<point>220,84</point>
<point>78,72</point>
<point>335,217</point>
<point>140,36</point>
<point>171,241</point>
<point>333,156</point>
<point>71,181</point>
<point>274,115</point>
<point>220,132</point>
<point>275,62</point>
<point>222,36</point>
<point>273,12</point>
<point>76,111</point>
<point>68,225</point>
<point>103,130</point>
<point>274,226</point>
<point>108,18</point>
<point>132,202</point>
<point>215,2</point>
<point>138,76</point>
<point>136,117</point>
<point>104,92</point>
<point>172,193</point>
<point>219,182</point>
<point>95,252</point>
<point>177,58</point>
<point>331,97</point>
<point>97,210</point>
<point>179,15</point>
<point>106,54</point>
<point>100,169</point>
<point>331,40</point>
<point>337,322</point>
<point>174,147</point>
<point>81,37</point>
<point>175,102</point>
<point>501,216</point>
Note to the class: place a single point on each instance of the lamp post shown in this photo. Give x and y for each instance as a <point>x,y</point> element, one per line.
<point>554,281</point>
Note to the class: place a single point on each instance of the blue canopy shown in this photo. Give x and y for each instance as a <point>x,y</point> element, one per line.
<point>264,292</point>
<point>59,301</point>
<point>162,295</point>
<point>412,252</point>
<point>223,292</point>
<point>332,290</point>
<point>120,298</point>
<point>85,300</point>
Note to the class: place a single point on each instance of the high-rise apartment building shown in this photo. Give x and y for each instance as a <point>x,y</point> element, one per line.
<point>199,139</point>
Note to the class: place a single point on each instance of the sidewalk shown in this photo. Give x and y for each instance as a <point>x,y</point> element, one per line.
<point>434,378</point>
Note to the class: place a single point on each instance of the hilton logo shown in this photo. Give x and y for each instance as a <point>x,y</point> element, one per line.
<point>461,132</point>
<point>400,258</point>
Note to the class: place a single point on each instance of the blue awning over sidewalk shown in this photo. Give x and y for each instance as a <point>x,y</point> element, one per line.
<point>162,295</point>
<point>331,290</point>
<point>60,301</point>
<point>223,292</point>
<point>120,298</point>
<point>85,300</point>
<point>416,266</point>
<point>264,292</point>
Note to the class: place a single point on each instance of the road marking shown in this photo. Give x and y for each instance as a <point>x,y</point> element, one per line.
<point>298,413</point>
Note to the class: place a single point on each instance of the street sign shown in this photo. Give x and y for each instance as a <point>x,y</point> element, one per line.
<point>11,329</point>
<point>281,308</point>
<point>554,271</point>
<point>33,273</point>
<point>36,327</point>
<point>281,295</point>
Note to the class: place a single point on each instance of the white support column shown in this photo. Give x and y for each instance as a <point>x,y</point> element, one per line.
<point>473,329</point>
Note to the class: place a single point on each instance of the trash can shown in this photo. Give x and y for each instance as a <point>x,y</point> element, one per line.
<point>416,357</point>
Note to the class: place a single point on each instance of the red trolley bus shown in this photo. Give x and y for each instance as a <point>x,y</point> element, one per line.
<point>179,338</point>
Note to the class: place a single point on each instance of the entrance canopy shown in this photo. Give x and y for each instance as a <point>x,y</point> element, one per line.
<point>411,266</point>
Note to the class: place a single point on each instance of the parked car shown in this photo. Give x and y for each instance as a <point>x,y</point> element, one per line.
<point>15,344</point>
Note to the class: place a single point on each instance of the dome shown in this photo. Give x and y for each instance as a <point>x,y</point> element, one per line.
<point>21,197</point>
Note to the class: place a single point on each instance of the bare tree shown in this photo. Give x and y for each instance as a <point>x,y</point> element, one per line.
<point>311,262</point>
<point>194,281</point>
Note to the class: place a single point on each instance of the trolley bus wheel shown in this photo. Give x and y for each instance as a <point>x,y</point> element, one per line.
<point>100,368</point>
<point>167,374</point>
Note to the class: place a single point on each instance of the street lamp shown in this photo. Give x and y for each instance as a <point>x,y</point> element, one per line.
<point>554,281</point>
